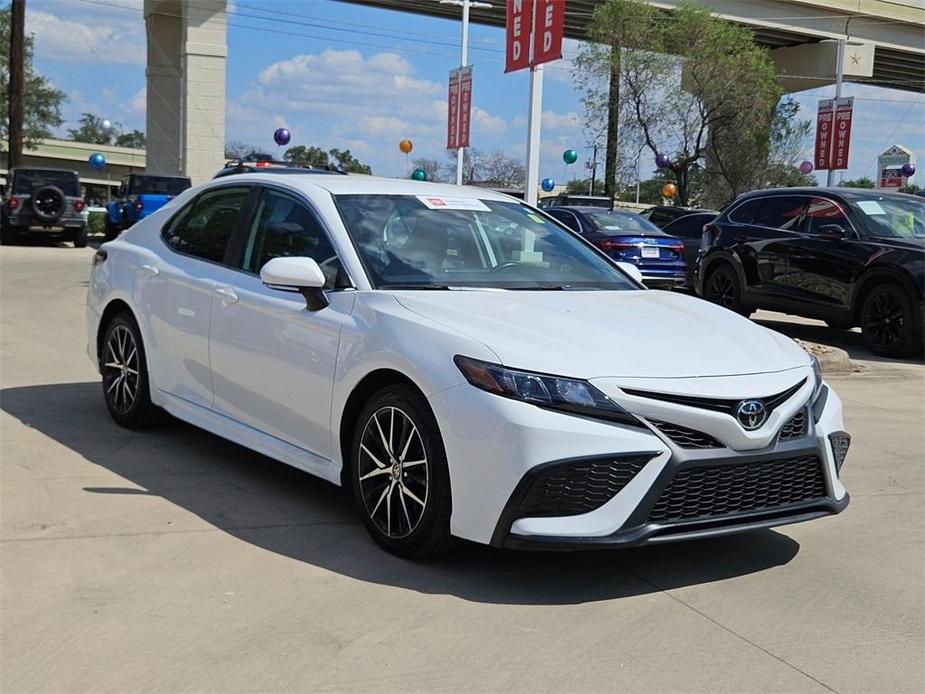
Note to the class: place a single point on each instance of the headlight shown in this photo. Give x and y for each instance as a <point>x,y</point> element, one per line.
<point>553,392</point>
<point>817,380</point>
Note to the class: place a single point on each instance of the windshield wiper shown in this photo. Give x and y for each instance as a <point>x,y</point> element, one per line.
<point>431,287</point>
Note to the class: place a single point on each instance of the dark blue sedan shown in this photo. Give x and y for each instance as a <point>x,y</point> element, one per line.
<point>630,238</point>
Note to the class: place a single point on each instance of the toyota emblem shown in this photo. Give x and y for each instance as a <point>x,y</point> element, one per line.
<point>751,414</point>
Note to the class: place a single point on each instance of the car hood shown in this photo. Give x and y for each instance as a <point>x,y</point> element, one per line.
<point>651,334</point>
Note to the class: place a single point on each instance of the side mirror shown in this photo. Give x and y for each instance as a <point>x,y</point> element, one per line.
<point>831,232</point>
<point>631,270</point>
<point>296,274</point>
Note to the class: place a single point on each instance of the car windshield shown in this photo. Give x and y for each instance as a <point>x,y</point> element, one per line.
<point>440,242</point>
<point>616,223</point>
<point>26,181</point>
<point>158,185</point>
<point>892,217</point>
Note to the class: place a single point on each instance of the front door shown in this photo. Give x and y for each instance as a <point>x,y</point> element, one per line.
<point>273,360</point>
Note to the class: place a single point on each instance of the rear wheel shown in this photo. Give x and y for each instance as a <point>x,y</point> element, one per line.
<point>399,474</point>
<point>722,287</point>
<point>125,374</point>
<point>80,238</point>
<point>112,230</point>
<point>888,321</point>
<point>8,233</point>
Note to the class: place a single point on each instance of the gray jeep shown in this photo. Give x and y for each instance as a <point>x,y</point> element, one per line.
<point>43,200</point>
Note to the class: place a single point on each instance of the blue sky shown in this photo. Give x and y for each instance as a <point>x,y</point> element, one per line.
<point>344,76</point>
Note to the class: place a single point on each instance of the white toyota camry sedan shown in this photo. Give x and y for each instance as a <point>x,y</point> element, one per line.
<point>464,364</point>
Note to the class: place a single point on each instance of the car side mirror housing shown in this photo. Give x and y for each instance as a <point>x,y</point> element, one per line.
<point>296,274</point>
<point>631,270</point>
<point>831,232</point>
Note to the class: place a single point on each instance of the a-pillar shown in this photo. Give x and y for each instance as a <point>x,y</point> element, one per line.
<point>187,51</point>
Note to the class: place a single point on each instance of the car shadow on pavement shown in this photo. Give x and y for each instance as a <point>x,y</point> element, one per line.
<point>849,340</point>
<point>283,510</point>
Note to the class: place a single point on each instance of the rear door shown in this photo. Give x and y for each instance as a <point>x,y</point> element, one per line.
<point>176,288</point>
<point>272,359</point>
<point>765,244</point>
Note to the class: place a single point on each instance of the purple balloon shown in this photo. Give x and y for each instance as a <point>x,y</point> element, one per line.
<point>908,169</point>
<point>282,136</point>
<point>806,167</point>
<point>662,160</point>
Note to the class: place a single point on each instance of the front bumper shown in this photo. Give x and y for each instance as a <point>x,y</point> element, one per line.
<point>497,447</point>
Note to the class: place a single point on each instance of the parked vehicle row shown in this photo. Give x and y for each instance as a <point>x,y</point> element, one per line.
<point>464,364</point>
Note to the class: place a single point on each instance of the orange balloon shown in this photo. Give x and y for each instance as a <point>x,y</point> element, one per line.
<point>669,190</point>
<point>405,146</point>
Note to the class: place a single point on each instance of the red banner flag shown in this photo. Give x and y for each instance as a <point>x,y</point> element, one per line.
<point>452,112</point>
<point>519,25</point>
<point>465,105</point>
<point>842,132</point>
<point>548,27</point>
<point>823,154</point>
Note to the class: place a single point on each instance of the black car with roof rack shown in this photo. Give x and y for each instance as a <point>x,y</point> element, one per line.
<point>850,257</point>
<point>256,163</point>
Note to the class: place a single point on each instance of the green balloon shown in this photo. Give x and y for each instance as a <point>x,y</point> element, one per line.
<point>419,175</point>
<point>570,156</point>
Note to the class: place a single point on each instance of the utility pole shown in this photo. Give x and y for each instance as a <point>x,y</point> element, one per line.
<point>593,167</point>
<point>17,78</point>
<point>839,75</point>
<point>463,61</point>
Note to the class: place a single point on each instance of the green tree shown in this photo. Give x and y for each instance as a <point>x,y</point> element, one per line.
<point>692,86</point>
<point>433,169</point>
<point>863,182</point>
<point>133,140</point>
<point>91,130</point>
<point>42,102</point>
<point>581,186</point>
<point>345,161</point>
<point>307,156</point>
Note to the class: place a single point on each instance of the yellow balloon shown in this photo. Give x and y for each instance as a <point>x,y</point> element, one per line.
<point>405,146</point>
<point>669,190</point>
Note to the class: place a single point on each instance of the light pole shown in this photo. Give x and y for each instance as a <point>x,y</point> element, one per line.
<point>839,75</point>
<point>463,61</point>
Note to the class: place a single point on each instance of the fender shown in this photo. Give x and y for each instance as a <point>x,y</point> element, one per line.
<point>719,255</point>
<point>882,273</point>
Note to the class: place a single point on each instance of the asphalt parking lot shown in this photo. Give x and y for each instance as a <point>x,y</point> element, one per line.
<point>172,560</point>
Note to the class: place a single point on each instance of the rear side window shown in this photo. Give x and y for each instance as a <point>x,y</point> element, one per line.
<point>746,212</point>
<point>203,228</point>
<point>689,227</point>
<point>567,218</point>
<point>780,212</point>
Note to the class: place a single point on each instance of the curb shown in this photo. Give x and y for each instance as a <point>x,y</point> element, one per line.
<point>831,359</point>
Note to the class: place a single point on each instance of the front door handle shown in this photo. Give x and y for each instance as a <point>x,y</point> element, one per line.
<point>227,295</point>
<point>151,270</point>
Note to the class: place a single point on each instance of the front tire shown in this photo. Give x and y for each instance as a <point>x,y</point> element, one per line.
<point>125,374</point>
<point>80,238</point>
<point>399,474</point>
<point>722,287</point>
<point>888,322</point>
<point>112,230</point>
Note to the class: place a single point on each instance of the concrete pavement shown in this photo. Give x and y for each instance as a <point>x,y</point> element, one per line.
<point>172,561</point>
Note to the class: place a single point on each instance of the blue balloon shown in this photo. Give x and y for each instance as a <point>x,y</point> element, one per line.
<point>97,161</point>
<point>548,184</point>
<point>662,160</point>
<point>282,136</point>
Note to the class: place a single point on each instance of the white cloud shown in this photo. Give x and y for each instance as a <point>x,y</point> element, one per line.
<point>110,40</point>
<point>486,124</point>
<point>139,102</point>
<point>560,121</point>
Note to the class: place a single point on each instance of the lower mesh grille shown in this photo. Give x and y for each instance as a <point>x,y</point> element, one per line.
<point>703,492</point>
<point>573,488</point>
<point>795,426</point>
<point>684,437</point>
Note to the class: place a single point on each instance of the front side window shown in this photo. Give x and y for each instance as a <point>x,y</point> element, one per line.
<point>203,227</point>
<point>283,226</point>
<point>408,241</point>
<point>780,212</point>
<point>158,185</point>
<point>821,212</point>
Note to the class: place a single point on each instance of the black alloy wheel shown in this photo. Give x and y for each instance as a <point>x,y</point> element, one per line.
<point>125,374</point>
<point>888,322</point>
<point>399,473</point>
<point>722,288</point>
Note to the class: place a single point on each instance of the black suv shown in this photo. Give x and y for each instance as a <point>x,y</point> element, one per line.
<point>45,200</point>
<point>849,257</point>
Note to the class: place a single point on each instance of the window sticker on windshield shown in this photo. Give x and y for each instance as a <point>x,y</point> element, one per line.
<point>536,218</point>
<point>871,207</point>
<point>452,202</point>
<point>903,224</point>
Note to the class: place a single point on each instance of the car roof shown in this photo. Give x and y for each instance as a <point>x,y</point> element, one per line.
<point>591,208</point>
<point>829,190</point>
<point>360,184</point>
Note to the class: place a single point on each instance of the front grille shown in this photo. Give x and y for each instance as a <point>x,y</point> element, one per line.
<point>684,437</point>
<point>579,487</point>
<point>795,427</point>
<point>771,402</point>
<point>704,492</point>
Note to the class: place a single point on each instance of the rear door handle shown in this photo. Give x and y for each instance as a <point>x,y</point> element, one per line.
<point>227,295</point>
